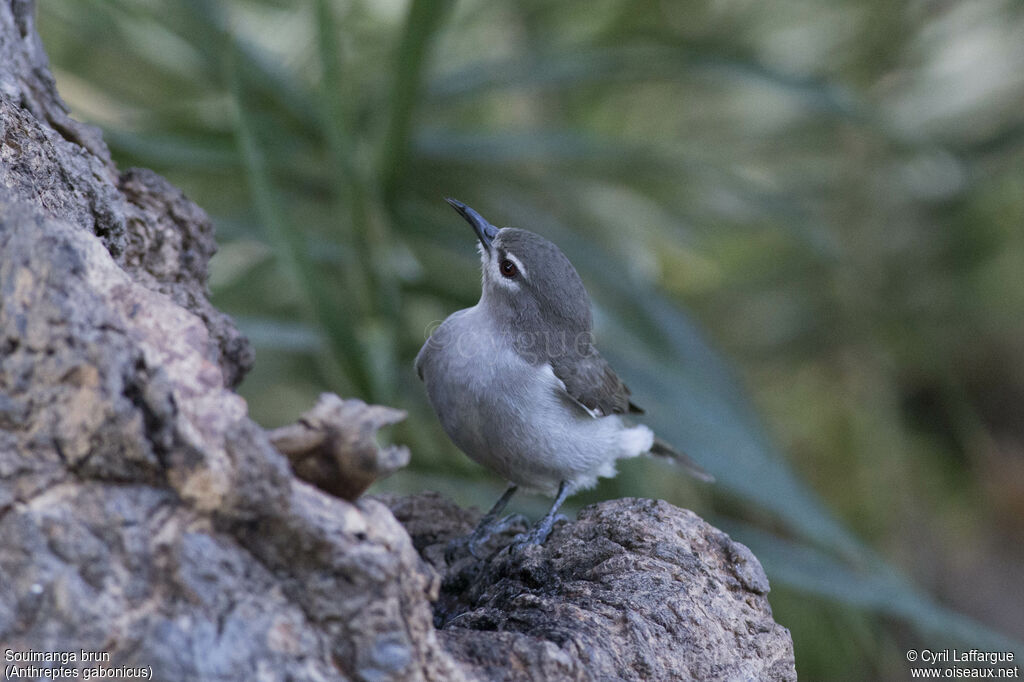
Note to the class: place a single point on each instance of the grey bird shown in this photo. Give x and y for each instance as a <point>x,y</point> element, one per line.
<point>519,386</point>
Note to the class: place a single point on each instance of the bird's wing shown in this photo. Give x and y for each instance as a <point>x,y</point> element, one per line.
<point>590,381</point>
<point>593,384</point>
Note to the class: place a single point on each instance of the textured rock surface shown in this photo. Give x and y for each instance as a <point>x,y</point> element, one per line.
<point>143,514</point>
<point>634,589</point>
<point>333,446</point>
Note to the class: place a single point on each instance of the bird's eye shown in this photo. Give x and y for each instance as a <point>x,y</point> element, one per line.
<point>508,268</point>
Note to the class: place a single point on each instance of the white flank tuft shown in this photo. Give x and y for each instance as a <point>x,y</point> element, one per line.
<point>636,440</point>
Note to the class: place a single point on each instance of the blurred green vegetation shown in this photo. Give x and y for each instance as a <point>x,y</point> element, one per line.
<point>834,192</point>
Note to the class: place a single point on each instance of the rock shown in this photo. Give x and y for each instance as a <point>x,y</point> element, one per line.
<point>142,514</point>
<point>633,590</point>
<point>332,445</point>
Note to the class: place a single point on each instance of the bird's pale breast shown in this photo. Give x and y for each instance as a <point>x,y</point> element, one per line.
<point>513,416</point>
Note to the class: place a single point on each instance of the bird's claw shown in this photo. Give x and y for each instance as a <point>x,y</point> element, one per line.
<point>455,548</point>
<point>459,547</point>
<point>537,535</point>
<point>524,540</point>
<point>475,541</point>
<point>508,522</point>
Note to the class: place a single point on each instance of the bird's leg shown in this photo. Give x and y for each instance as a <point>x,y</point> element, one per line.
<point>542,530</point>
<point>488,526</point>
<point>487,520</point>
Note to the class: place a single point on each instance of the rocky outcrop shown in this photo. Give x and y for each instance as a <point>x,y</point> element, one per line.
<point>633,589</point>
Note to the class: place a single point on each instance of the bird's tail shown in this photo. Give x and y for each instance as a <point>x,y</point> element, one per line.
<point>663,449</point>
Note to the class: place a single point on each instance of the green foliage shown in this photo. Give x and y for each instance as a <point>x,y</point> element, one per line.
<point>788,173</point>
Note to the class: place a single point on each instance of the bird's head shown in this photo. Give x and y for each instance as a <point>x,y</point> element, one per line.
<point>528,283</point>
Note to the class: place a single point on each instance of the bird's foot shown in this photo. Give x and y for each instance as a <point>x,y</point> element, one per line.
<point>538,535</point>
<point>507,523</point>
<point>456,548</point>
<point>535,537</point>
<point>475,541</point>
<point>479,538</point>
<point>471,544</point>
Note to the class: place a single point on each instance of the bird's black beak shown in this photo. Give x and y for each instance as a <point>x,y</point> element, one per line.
<point>484,230</point>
